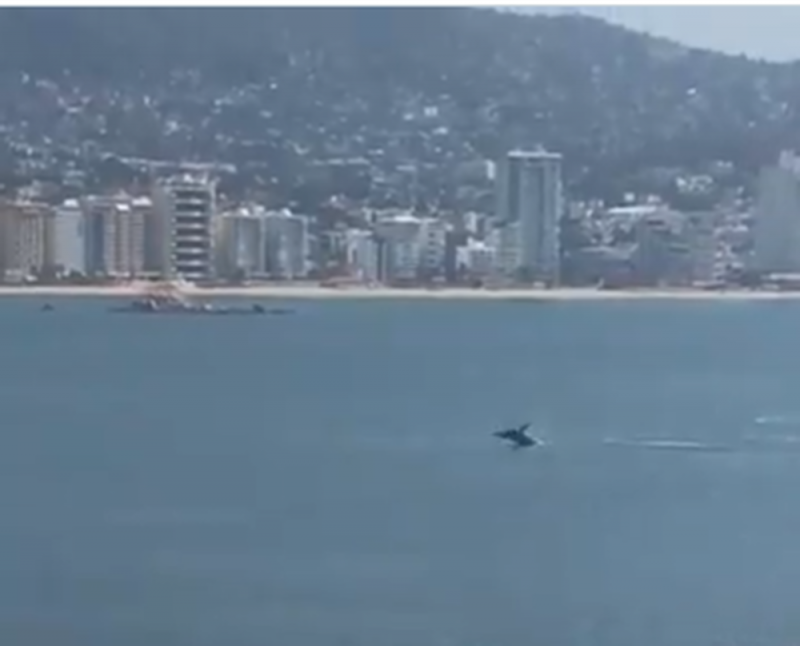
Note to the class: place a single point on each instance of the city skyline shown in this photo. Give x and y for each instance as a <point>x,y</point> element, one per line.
<point>533,236</point>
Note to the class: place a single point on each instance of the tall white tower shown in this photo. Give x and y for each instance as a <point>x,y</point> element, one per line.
<point>777,222</point>
<point>186,207</point>
<point>529,193</point>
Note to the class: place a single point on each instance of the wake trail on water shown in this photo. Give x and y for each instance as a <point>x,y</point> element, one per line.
<point>753,441</point>
<point>665,445</point>
<point>772,440</point>
<point>791,419</point>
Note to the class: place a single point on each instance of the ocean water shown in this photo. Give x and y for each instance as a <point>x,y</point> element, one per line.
<point>330,478</point>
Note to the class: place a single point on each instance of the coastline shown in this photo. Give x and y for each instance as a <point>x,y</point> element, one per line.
<point>313,292</point>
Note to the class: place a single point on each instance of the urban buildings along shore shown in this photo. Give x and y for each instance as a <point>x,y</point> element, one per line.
<point>182,228</point>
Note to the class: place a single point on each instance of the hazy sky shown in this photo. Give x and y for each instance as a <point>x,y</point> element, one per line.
<point>764,32</point>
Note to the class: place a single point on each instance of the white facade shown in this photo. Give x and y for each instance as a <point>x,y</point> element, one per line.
<point>255,243</point>
<point>114,235</point>
<point>69,248</point>
<point>529,192</point>
<point>777,222</point>
<point>403,251</point>
<point>286,245</point>
<point>471,222</point>
<point>414,247</point>
<point>403,260</point>
<point>505,240</point>
<point>186,208</point>
<point>477,257</point>
<point>240,245</point>
<point>362,255</point>
<point>702,240</point>
<point>26,232</point>
<point>432,237</point>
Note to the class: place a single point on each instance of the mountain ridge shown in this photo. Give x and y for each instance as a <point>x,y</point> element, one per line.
<point>739,30</point>
<point>330,81</point>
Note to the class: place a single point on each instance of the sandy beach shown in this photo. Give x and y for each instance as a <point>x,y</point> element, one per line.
<point>315,292</point>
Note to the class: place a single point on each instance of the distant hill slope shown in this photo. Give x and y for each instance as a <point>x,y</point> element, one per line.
<point>609,98</point>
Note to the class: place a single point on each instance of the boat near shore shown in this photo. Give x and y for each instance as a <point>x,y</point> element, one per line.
<point>167,299</point>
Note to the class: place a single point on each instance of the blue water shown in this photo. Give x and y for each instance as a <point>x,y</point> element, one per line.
<point>330,479</point>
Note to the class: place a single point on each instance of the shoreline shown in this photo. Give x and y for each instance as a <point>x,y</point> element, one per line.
<point>308,292</point>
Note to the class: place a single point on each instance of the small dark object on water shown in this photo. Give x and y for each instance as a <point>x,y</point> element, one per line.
<point>517,436</point>
<point>274,311</point>
<point>170,307</point>
<point>47,307</point>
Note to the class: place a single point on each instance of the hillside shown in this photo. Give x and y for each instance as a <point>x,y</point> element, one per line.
<point>281,86</point>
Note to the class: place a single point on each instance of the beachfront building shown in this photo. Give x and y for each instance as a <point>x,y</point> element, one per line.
<point>26,240</point>
<point>505,240</point>
<point>529,192</point>
<point>183,239</point>
<point>477,259</point>
<point>69,249</point>
<point>114,240</point>
<point>363,255</point>
<point>401,251</point>
<point>286,245</point>
<point>701,238</point>
<point>777,222</point>
<point>432,243</point>
<point>240,246</point>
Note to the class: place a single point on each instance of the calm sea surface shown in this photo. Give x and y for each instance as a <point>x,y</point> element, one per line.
<point>330,478</point>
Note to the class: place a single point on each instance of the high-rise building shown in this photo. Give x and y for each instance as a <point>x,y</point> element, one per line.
<point>286,245</point>
<point>69,249</point>
<point>26,239</point>
<point>184,236</point>
<point>402,252</point>
<point>114,239</point>
<point>529,192</point>
<point>653,258</point>
<point>505,240</point>
<point>240,245</point>
<point>362,255</point>
<point>432,242</point>
<point>777,221</point>
<point>701,238</point>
